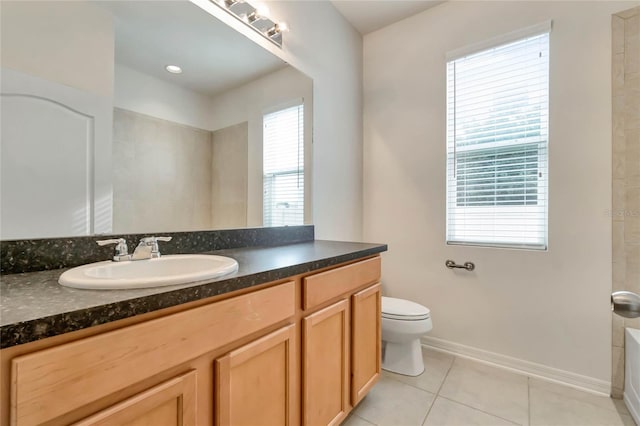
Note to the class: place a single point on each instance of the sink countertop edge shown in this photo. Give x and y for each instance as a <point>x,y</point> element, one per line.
<point>258,265</point>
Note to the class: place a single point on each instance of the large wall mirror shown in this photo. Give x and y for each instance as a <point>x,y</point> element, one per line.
<point>99,136</point>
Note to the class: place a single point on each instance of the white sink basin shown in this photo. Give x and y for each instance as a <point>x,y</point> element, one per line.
<point>166,270</point>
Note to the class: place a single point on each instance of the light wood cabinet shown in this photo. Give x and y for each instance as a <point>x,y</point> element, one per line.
<point>53,383</point>
<point>255,383</point>
<point>325,286</point>
<point>341,342</point>
<point>325,365</point>
<point>366,332</point>
<point>172,403</point>
<point>301,351</point>
<point>341,356</point>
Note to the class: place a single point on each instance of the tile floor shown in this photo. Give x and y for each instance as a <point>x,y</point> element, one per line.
<point>455,391</point>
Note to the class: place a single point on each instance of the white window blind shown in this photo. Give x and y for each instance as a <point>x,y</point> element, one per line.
<point>283,167</point>
<point>497,137</point>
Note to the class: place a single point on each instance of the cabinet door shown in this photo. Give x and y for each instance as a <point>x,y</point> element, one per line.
<point>255,383</point>
<point>54,382</point>
<point>326,365</point>
<point>170,403</point>
<point>366,334</point>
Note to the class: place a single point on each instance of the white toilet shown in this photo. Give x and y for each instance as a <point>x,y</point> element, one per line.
<point>403,323</point>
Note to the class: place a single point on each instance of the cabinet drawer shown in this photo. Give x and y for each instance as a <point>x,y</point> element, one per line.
<point>170,403</point>
<point>324,286</point>
<point>55,381</point>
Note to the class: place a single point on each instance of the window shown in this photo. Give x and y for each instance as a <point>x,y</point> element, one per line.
<point>497,136</point>
<point>283,167</point>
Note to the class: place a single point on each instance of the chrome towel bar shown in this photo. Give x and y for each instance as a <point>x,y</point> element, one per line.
<point>469,266</point>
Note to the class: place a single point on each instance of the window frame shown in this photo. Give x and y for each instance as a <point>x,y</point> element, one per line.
<point>542,165</point>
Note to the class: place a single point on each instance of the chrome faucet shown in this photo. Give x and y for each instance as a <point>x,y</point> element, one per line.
<point>148,248</point>
<point>122,251</point>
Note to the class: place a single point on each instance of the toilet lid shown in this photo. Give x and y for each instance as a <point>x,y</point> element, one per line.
<point>393,308</point>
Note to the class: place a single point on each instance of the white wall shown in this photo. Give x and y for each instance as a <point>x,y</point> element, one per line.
<point>323,45</point>
<point>41,38</point>
<point>139,92</point>
<point>550,308</point>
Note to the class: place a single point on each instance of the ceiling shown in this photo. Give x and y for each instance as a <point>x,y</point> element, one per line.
<point>213,56</point>
<point>153,34</point>
<point>371,15</point>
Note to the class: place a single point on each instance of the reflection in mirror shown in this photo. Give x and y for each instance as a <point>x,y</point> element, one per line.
<point>93,145</point>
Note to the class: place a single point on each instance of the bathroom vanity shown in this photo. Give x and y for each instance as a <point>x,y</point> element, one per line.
<point>125,148</point>
<point>292,338</point>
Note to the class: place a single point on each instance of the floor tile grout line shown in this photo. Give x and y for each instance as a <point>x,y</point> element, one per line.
<point>364,420</point>
<point>482,411</point>
<point>433,401</point>
<point>438,391</point>
<point>405,383</point>
<point>529,384</point>
<point>446,375</point>
<point>392,375</point>
<point>474,408</point>
<point>435,394</point>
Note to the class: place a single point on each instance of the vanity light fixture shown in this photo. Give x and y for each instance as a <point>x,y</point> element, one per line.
<point>261,12</point>
<point>256,16</point>
<point>173,69</point>
<point>279,28</point>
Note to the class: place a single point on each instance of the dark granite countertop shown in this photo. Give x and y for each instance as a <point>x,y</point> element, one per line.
<point>34,306</point>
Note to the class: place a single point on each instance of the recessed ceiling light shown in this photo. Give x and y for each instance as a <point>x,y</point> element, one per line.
<point>173,69</point>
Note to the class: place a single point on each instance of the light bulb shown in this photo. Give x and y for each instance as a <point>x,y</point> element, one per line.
<point>262,10</point>
<point>283,27</point>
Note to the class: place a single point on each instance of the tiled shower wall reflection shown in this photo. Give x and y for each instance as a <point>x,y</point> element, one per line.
<point>173,177</point>
<point>626,175</point>
<point>162,175</point>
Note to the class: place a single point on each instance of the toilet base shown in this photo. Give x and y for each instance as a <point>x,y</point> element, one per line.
<point>403,358</point>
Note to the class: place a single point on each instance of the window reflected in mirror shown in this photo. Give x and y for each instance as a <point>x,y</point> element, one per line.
<point>283,167</point>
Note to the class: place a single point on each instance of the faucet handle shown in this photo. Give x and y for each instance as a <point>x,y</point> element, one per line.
<point>122,251</point>
<point>153,242</point>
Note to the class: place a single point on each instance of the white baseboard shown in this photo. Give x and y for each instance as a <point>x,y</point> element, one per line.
<point>578,381</point>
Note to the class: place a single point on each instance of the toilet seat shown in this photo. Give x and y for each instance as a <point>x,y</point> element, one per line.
<point>404,310</point>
